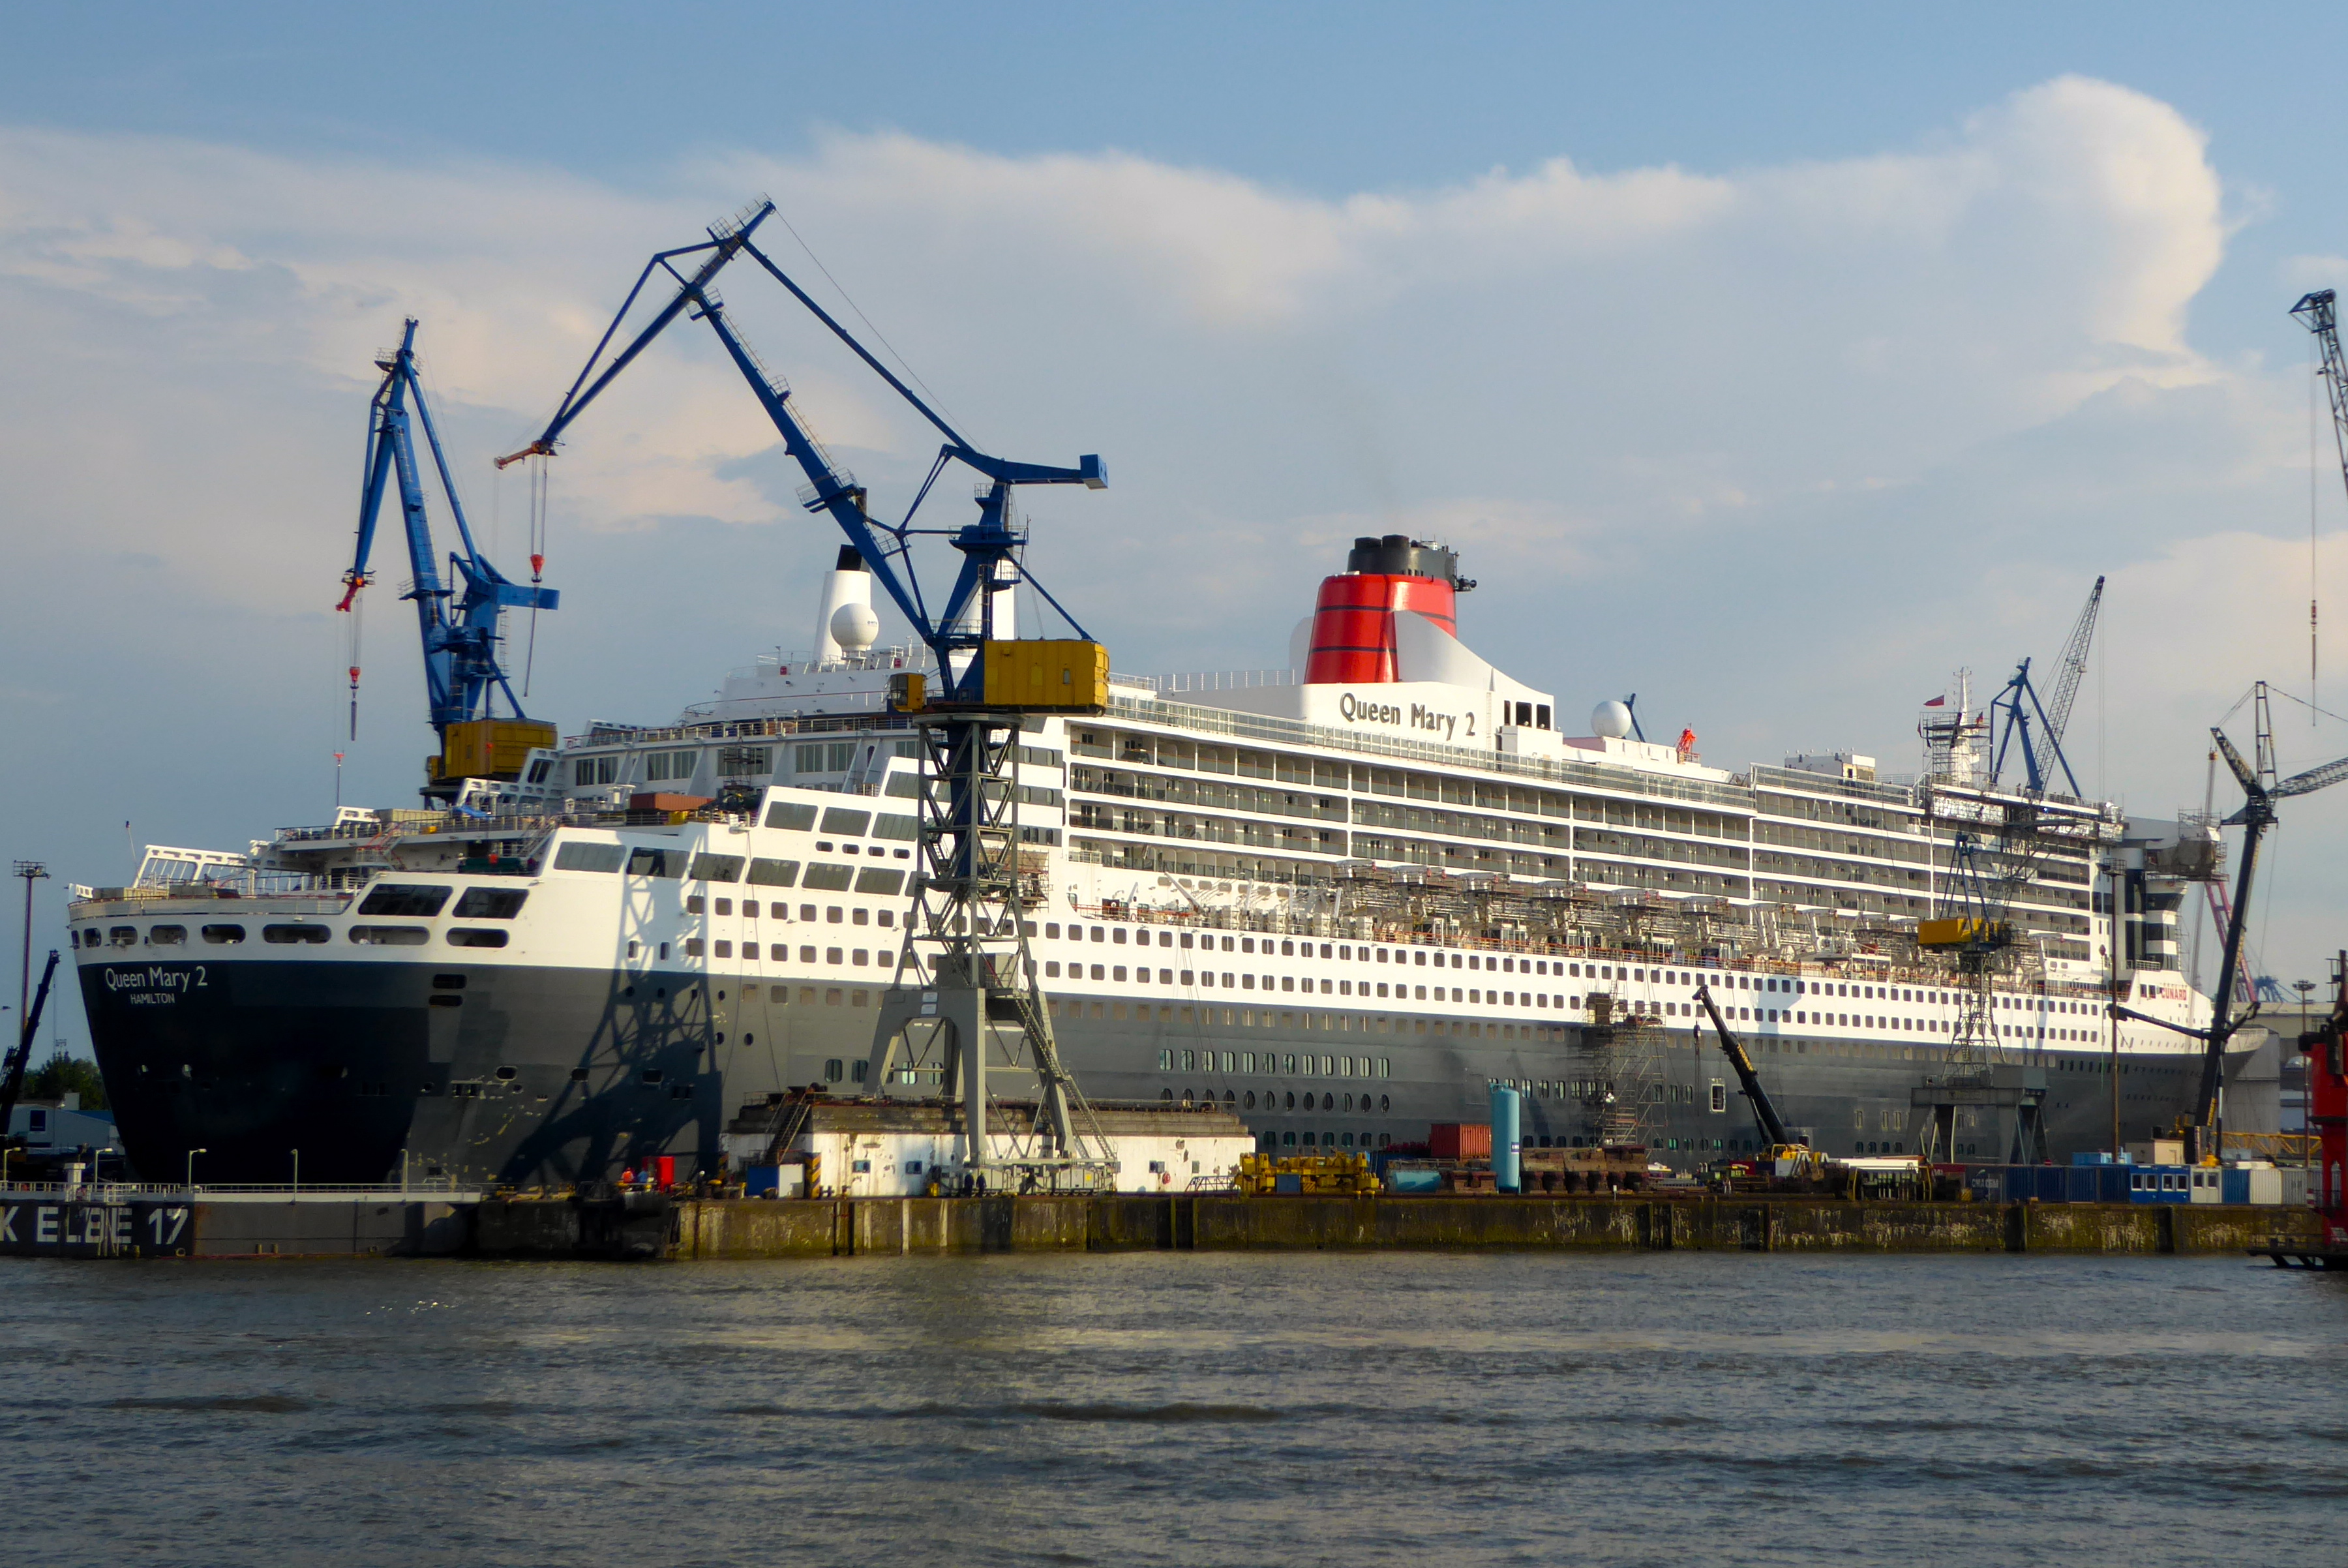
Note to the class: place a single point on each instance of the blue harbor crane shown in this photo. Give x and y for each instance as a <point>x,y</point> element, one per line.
<point>2040,748</point>
<point>991,547</point>
<point>966,980</point>
<point>463,678</point>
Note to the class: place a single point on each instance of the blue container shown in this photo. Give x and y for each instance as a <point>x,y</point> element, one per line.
<point>2236,1188</point>
<point>758,1180</point>
<point>1508,1139</point>
<point>2092,1157</point>
<point>1414,1179</point>
<point>2159,1183</point>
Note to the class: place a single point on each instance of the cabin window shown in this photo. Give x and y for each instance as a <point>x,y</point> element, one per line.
<point>880,879</point>
<point>824,757</point>
<point>650,863</point>
<point>575,856</point>
<point>416,900</point>
<point>795,819</point>
<point>167,935</point>
<point>460,937</point>
<point>716,867</point>
<point>491,903</point>
<point>774,874</point>
<point>390,935</point>
<point>677,766</point>
<point>306,936</point>
<point>847,821</point>
<point>218,936</point>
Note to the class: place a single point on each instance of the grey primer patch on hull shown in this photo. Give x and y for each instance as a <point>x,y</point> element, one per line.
<point>354,1064</point>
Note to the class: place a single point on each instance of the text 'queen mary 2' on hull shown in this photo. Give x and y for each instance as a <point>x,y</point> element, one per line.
<point>1341,899</point>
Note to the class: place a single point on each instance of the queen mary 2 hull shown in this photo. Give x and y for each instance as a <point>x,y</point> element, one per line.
<point>601,1015</point>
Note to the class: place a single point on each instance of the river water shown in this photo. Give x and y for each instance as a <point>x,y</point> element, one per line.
<point>1673,1408</point>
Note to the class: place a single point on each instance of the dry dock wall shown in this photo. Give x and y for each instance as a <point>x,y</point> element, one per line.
<point>647,1227</point>
<point>850,1227</point>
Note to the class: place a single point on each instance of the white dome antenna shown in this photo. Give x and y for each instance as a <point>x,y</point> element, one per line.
<point>1610,719</point>
<point>855,627</point>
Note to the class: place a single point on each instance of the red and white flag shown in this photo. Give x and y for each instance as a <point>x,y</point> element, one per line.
<point>1937,702</point>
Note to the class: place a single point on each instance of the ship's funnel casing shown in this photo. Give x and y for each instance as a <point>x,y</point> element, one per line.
<point>850,583</point>
<point>1353,636</point>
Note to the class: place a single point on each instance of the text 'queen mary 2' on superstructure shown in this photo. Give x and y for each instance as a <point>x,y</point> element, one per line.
<point>1340,899</point>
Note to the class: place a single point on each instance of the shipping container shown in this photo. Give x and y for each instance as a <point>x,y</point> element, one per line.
<point>1460,1141</point>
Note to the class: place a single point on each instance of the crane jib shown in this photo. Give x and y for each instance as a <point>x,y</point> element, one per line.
<point>991,548</point>
<point>458,619</point>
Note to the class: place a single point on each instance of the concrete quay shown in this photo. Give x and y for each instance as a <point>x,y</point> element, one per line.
<point>645,1227</point>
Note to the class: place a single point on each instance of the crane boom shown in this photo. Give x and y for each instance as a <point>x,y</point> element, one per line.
<point>2035,728</point>
<point>2256,815</point>
<point>990,548</point>
<point>2316,313</point>
<point>1747,1077</point>
<point>11,1075</point>
<point>2073,666</point>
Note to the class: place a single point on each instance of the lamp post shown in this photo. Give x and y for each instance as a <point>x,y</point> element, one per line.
<point>297,1175</point>
<point>191,1167</point>
<point>32,872</point>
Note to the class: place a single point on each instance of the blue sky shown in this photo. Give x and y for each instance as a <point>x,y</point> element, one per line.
<point>1771,361</point>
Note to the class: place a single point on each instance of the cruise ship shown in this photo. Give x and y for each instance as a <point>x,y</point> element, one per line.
<point>1341,899</point>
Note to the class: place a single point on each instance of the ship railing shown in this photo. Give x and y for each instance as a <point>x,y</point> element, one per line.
<point>108,903</point>
<point>1212,680</point>
<point>891,657</point>
<point>1239,726</point>
<point>602,733</point>
<point>436,1189</point>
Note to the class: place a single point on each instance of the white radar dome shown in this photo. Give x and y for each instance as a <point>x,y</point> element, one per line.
<point>1610,719</point>
<point>855,626</point>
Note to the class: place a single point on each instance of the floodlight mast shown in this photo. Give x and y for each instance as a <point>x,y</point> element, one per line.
<point>981,979</point>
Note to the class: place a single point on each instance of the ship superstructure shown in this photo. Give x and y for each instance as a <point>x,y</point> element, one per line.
<point>1341,899</point>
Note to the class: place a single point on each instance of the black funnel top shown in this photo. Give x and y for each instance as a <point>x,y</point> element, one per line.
<point>1400,555</point>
